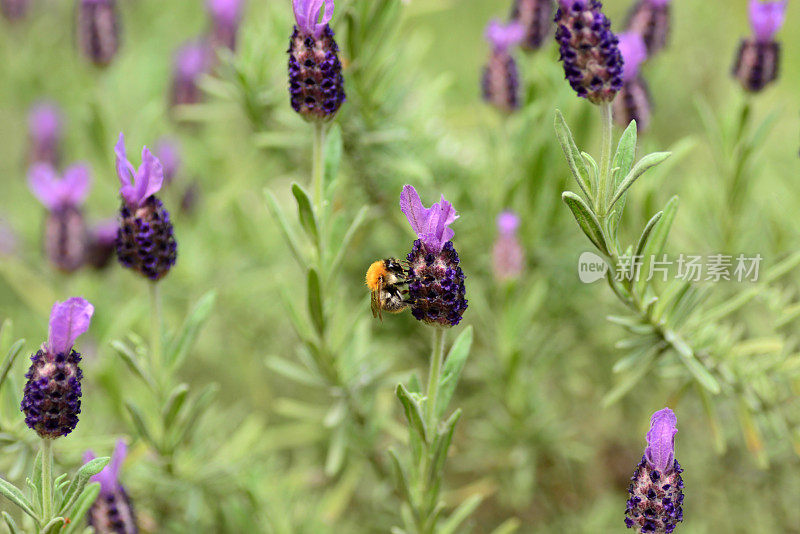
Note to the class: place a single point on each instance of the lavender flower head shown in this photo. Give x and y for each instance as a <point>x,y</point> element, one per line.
<point>98,30</point>
<point>225,18</point>
<point>102,243</point>
<point>500,76</point>
<point>192,60</point>
<point>14,10</point>
<point>44,127</point>
<point>435,280</point>
<point>168,154</point>
<point>145,239</point>
<point>651,20</point>
<point>536,16</point>
<point>757,62</point>
<point>633,100</point>
<point>112,512</point>
<point>508,256</point>
<point>588,49</point>
<point>52,399</point>
<point>65,228</point>
<point>316,84</point>
<point>656,491</point>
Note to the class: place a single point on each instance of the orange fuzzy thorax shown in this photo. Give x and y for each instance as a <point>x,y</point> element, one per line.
<point>375,273</point>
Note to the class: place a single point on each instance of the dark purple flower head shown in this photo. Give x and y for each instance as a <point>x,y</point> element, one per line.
<point>660,451</point>
<point>57,192</point>
<point>634,53</point>
<point>167,152</point>
<point>147,181</point>
<point>112,511</point>
<point>98,30</point>
<point>633,103</point>
<point>102,242</point>
<point>307,14</point>
<point>44,127</point>
<point>51,401</point>
<point>432,225</point>
<point>14,10</point>
<point>766,18</point>
<point>508,256</point>
<point>651,20</point>
<point>536,16</point>
<point>504,36</point>
<point>500,81</point>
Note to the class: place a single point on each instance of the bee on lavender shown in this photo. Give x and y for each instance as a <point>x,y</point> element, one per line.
<point>386,280</point>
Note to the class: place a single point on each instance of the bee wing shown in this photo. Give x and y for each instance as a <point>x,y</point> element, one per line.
<point>373,304</point>
<point>377,309</point>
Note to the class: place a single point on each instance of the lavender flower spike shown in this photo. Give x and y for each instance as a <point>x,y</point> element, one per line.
<point>432,225</point>
<point>44,127</point>
<point>14,10</point>
<point>148,178</point>
<point>112,511</point>
<point>508,256</point>
<point>656,491</point>
<point>98,30</point>
<point>757,62</point>
<point>500,76</point>
<point>192,60</point>
<point>536,17</point>
<point>633,100</point>
<point>651,20</point>
<point>225,18</point>
<point>51,402</point>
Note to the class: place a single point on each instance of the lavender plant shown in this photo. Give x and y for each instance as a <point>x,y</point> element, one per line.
<point>44,130</point>
<point>651,20</point>
<point>536,17</point>
<point>758,58</point>
<point>500,76</point>
<point>98,30</point>
<point>633,100</point>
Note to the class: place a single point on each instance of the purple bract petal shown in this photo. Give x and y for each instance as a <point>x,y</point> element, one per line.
<point>430,224</point>
<point>109,476</point>
<point>149,177</point>
<point>68,320</point>
<point>225,11</point>
<point>57,192</point>
<point>507,223</point>
<point>44,122</point>
<point>504,36</point>
<point>766,18</point>
<point>167,152</point>
<point>634,52</point>
<point>306,13</point>
<point>660,450</point>
<point>192,59</point>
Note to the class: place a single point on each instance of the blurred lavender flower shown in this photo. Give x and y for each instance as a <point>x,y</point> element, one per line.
<point>757,62</point>
<point>44,128</point>
<point>98,30</point>
<point>536,17</point>
<point>588,48</point>
<point>651,20</point>
<point>52,398</point>
<point>8,239</point>
<point>63,196</point>
<point>145,239</point>
<point>192,60</point>
<point>656,490</point>
<point>102,243</point>
<point>112,512</point>
<point>316,85</point>
<point>500,77</point>
<point>508,256</point>
<point>168,154</point>
<point>225,18</point>
<point>14,10</point>
<point>633,100</point>
<point>436,282</point>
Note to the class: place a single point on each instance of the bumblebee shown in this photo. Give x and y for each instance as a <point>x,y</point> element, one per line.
<point>385,280</point>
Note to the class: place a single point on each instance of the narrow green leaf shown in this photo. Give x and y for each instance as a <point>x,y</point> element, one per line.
<point>187,335</point>
<point>508,527</point>
<point>648,229</point>
<point>305,212</point>
<point>9,360</point>
<point>15,495</point>
<point>344,245</point>
<point>440,447</point>
<point>626,151</point>
<point>283,224</point>
<point>627,383</point>
<point>647,162</point>
<point>81,508</point>
<point>174,404</point>
<point>292,371</point>
<point>656,242</point>
<point>336,451</point>
<point>195,409</point>
<point>453,365</point>
<point>139,424</point>
<point>713,421</point>
<point>416,421</point>
<point>589,160</point>
<point>12,526</point>
<point>586,220</point>
<point>131,359</point>
<point>460,514</point>
<point>54,526</point>
<point>573,155</point>
<point>401,481</point>
<point>687,356</point>
<point>315,310</point>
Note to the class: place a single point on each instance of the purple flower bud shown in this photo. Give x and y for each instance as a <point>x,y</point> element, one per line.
<point>536,16</point>
<point>192,60</point>
<point>98,30</point>
<point>51,402</point>
<point>651,20</point>
<point>14,10</point>
<point>44,127</point>
<point>500,77</point>
<point>113,511</point>
<point>435,281</point>
<point>316,84</point>
<point>102,243</point>
<point>766,18</point>
<point>225,18</point>
<point>65,238</point>
<point>656,492</point>
<point>168,153</point>
<point>588,48</point>
<point>508,256</point>
<point>633,100</point>
<point>757,62</point>
<point>145,240</point>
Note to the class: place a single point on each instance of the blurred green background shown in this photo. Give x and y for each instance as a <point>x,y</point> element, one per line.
<point>535,439</point>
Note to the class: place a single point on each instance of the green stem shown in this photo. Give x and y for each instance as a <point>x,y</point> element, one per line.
<point>437,357</point>
<point>318,179</point>
<point>155,329</point>
<point>603,185</point>
<point>47,480</point>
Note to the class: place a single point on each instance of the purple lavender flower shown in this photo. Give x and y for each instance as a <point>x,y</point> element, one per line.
<point>113,511</point>
<point>14,10</point>
<point>316,84</point>
<point>651,20</point>
<point>192,60</point>
<point>757,62</point>
<point>500,77</point>
<point>167,151</point>
<point>656,491</point>
<point>588,48</point>
<point>435,281</point>
<point>633,100</point>
<point>52,399</point>
<point>44,127</point>
<point>536,16</point>
<point>102,243</point>
<point>225,18</point>
<point>508,256</point>
<point>145,240</point>
<point>9,242</point>
<point>98,30</point>
<point>65,229</point>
